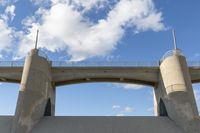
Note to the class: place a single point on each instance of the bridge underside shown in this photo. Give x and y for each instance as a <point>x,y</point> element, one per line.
<point>81,124</point>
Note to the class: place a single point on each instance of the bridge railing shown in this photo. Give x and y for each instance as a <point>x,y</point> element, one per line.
<point>193,63</point>
<point>11,63</point>
<point>103,64</point>
<point>96,64</point>
<point>170,53</point>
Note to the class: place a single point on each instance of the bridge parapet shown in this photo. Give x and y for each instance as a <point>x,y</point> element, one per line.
<point>195,64</point>
<point>172,52</point>
<point>104,64</point>
<point>11,63</point>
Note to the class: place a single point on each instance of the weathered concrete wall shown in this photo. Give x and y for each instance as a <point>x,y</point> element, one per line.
<point>6,124</point>
<point>159,93</point>
<point>179,96</point>
<point>11,74</point>
<point>35,91</point>
<point>106,125</point>
<point>98,125</point>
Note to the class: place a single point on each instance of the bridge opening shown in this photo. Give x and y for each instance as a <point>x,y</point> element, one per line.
<point>8,98</point>
<point>104,99</point>
<point>196,88</point>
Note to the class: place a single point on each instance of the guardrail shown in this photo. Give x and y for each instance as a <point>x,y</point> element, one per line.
<point>171,52</point>
<point>193,63</point>
<point>39,53</point>
<point>104,64</point>
<point>96,64</point>
<point>11,63</point>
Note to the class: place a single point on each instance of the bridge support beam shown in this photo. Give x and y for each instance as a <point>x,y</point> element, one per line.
<point>36,96</point>
<point>174,94</point>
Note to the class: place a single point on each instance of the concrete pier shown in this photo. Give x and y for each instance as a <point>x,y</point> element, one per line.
<point>175,96</point>
<point>36,96</point>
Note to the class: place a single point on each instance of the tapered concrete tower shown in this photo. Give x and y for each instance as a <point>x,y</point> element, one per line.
<point>36,96</point>
<point>174,94</point>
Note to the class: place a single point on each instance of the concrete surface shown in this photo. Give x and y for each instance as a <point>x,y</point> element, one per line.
<point>5,124</point>
<point>173,97</point>
<point>178,97</point>
<point>11,74</point>
<point>106,125</point>
<point>14,74</point>
<point>72,75</point>
<point>36,96</point>
<point>78,124</point>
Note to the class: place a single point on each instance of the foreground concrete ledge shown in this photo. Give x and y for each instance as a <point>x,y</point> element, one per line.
<point>106,125</point>
<point>95,124</point>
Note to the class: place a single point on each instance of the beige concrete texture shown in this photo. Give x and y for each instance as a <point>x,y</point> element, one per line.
<point>35,91</point>
<point>178,98</point>
<point>11,74</point>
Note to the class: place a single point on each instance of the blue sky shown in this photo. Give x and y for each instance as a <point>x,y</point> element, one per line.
<point>97,30</point>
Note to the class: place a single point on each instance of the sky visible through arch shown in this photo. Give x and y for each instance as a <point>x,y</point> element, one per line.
<point>98,30</point>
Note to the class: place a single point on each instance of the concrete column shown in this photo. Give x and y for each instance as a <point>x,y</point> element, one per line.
<point>159,94</point>
<point>37,94</point>
<point>176,93</point>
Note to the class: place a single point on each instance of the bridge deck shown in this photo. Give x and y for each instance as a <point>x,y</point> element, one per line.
<point>69,75</point>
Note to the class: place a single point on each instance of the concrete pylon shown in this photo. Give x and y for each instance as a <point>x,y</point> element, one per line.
<point>174,93</point>
<point>37,94</point>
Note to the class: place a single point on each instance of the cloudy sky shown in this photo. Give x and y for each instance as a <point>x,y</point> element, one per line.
<point>97,30</point>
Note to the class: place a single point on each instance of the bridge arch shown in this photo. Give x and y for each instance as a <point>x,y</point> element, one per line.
<point>103,80</point>
<point>72,75</point>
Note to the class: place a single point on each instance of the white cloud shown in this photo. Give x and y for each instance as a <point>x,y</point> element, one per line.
<point>6,32</point>
<point>123,111</point>
<point>128,109</point>
<point>121,114</point>
<point>3,2</point>
<point>9,13</point>
<point>150,109</point>
<point>5,36</point>
<point>115,107</point>
<point>62,27</point>
<point>40,2</point>
<point>89,4</point>
<point>129,86</point>
<point>133,87</point>
<point>7,2</point>
<point>81,5</point>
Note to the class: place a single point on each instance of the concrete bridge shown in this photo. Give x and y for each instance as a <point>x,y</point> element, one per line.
<point>171,77</point>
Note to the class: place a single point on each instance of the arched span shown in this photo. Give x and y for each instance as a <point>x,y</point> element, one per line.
<point>91,80</point>
<point>11,74</point>
<point>138,75</point>
<point>67,75</point>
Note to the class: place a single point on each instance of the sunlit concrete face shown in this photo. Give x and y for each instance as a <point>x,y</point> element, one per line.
<point>179,97</point>
<point>172,81</point>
